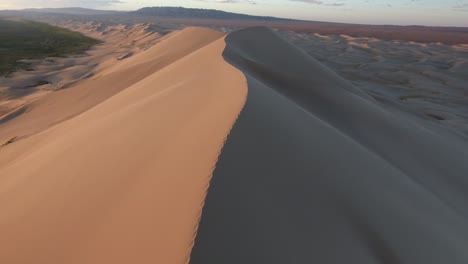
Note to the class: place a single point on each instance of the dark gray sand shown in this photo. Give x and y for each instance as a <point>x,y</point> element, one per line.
<point>316,171</point>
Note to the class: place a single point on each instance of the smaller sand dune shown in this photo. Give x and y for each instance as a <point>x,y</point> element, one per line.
<point>52,74</point>
<point>117,76</point>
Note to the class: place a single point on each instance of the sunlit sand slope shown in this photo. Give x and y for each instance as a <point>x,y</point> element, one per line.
<point>125,181</point>
<point>115,77</point>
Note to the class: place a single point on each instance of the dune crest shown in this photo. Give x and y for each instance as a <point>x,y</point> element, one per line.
<point>125,180</point>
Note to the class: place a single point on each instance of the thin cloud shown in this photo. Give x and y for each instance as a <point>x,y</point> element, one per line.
<point>63,3</point>
<point>229,1</point>
<point>318,2</point>
<point>461,7</point>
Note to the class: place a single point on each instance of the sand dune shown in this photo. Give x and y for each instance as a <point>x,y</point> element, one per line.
<point>307,166</point>
<point>60,72</point>
<point>109,80</point>
<point>315,171</point>
<point>125,180</point>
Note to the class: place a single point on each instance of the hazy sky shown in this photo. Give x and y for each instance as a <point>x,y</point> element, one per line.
<point>419,12</point>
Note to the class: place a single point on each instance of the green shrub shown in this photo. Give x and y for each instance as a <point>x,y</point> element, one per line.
<point>35,40</point>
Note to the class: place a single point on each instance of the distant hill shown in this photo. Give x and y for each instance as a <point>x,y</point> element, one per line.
<point>221,20</point>
<point>181,12</point>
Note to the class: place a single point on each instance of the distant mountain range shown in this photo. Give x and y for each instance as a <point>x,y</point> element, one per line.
<point>181,12</point>
<point>217,18</point>
<point>163,12</point>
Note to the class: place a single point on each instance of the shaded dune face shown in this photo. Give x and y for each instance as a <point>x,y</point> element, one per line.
<point>315,171</point>
<point>124,181</point>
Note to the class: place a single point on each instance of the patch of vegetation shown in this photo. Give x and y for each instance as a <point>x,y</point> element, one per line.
<point>25,39</point>
<point>9,141</point>
<point>190,13</point>
<point>39,83</point>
